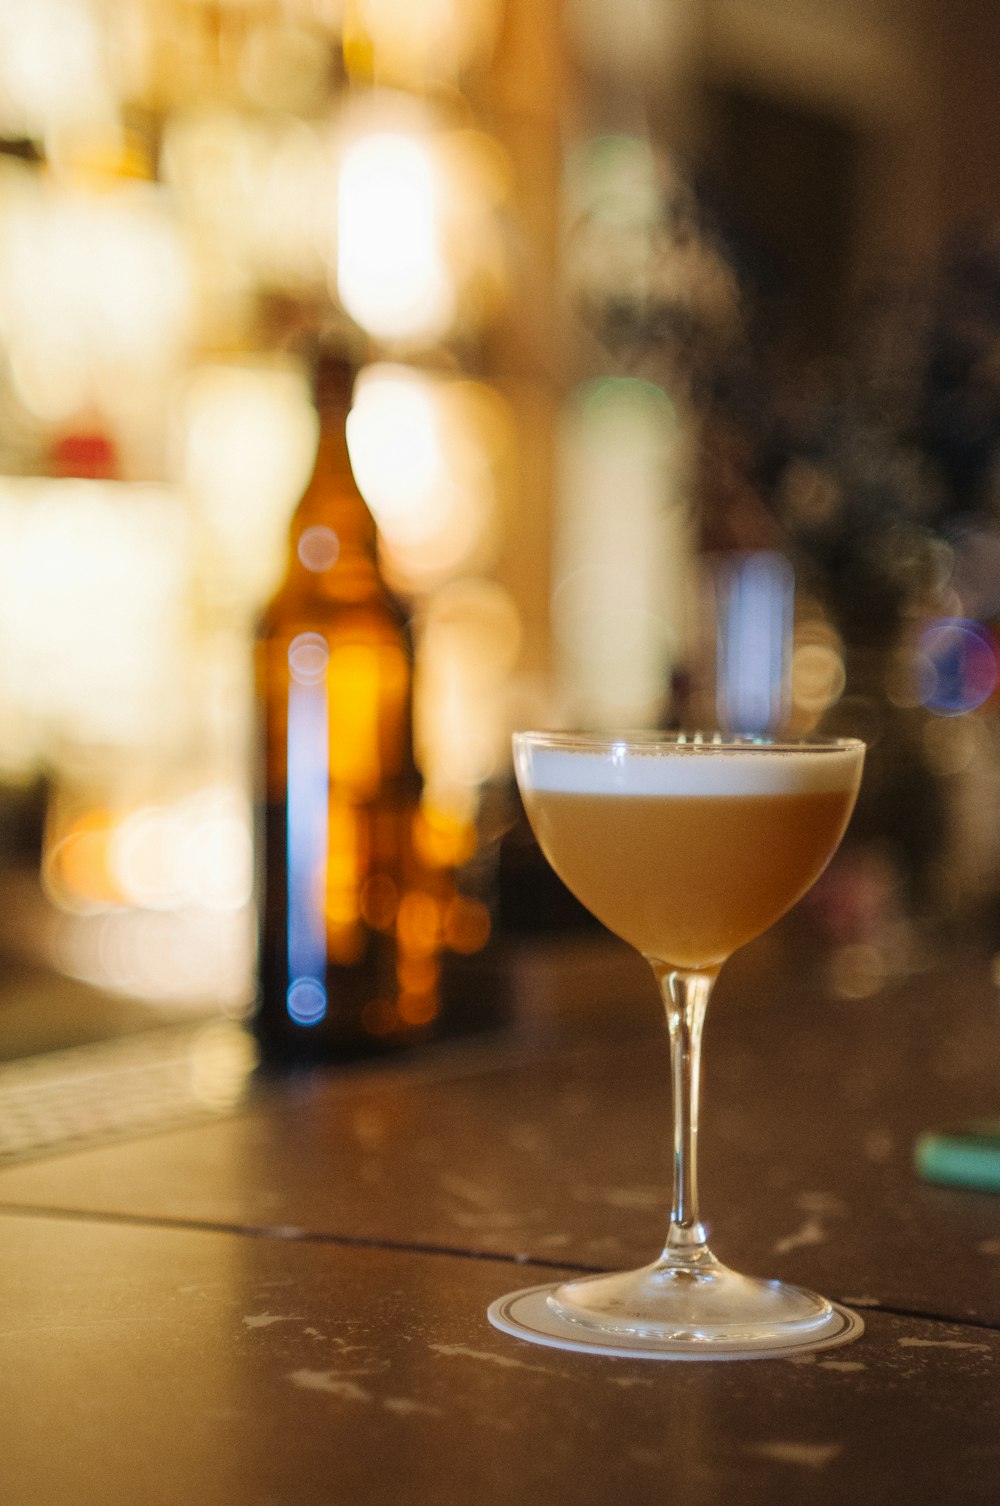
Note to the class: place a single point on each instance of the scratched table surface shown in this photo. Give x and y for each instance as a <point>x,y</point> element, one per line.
<point>286,1303</point>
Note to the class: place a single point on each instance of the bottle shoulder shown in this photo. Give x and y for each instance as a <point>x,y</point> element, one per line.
<point>333,598</point>
<point>338,623</point>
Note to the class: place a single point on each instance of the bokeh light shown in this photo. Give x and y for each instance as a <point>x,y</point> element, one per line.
<point>818,670</point>
<point>93,615</point>
<point>188,959</point>
<point>391,274</point>
<point>95,297</point>
<point>255,192</point>
<point>417,253</point>
<point>621,573</point>
<point>426,452</point>
<point>248,436</point>
<point>53,67</point>
<point>754,595</point>
<point>408,42</point>
<point>193,852</point>
<point>956,666</point>
<point>469,635</point>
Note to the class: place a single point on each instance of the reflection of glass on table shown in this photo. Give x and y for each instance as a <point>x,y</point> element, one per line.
<point>686,848</point>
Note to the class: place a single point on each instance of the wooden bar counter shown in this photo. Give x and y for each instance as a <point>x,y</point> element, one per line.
<point>286,1302</point>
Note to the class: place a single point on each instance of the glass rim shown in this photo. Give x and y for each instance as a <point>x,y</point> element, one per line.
<point>651,740</point>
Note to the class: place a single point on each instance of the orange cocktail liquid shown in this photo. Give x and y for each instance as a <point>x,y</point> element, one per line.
<point>689,878</point>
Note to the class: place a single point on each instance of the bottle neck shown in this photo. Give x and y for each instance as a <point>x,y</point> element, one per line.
<point>333,461</point>
<point>333,540</point>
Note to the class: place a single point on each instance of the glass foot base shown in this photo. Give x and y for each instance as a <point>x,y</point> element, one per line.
<point>676,1314</point>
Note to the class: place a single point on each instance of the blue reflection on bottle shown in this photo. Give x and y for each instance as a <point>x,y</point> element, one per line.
<point>308,784</point>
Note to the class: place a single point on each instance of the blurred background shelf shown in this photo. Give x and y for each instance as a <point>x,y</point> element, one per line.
<point>679,403</point>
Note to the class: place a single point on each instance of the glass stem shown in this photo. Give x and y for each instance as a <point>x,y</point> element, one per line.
<point>685,997</point>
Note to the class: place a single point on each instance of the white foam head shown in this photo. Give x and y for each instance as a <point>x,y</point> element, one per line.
<point>684,769</point>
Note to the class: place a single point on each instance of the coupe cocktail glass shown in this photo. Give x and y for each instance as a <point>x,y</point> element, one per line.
<point>686,846</point>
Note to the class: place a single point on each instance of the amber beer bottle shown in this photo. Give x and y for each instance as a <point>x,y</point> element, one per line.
<point>347,943</point>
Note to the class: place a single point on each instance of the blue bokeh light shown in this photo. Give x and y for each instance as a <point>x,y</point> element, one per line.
<point>306,1001</point>
<point>956,666</point>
